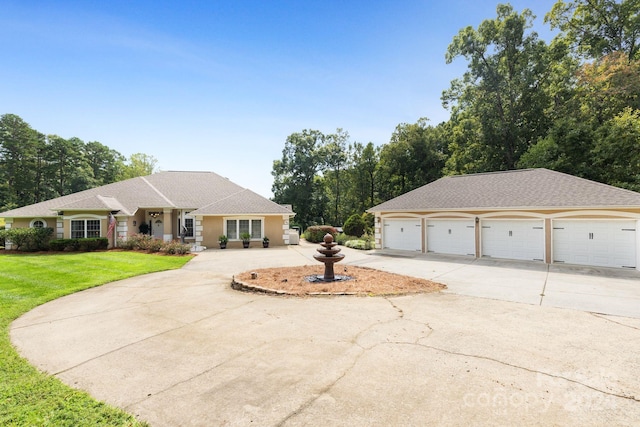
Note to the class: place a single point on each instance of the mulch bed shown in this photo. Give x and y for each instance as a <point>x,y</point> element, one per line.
<point>365,282</point>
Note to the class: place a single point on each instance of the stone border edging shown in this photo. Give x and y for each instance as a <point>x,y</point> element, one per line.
<point>243,287</point>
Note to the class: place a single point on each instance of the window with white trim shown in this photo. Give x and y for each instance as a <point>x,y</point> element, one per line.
<point>188,224</point>
<point>82,228</point>
<point>234,227</point>
<point>38,223</point>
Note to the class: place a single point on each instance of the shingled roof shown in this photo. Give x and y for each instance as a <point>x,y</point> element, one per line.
<point>242,203</point>
<point>517,189</point>
<point>169,189</point>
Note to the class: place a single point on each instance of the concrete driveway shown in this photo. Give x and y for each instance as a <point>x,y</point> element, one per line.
<point>595,289</point>
<point>182,348</point>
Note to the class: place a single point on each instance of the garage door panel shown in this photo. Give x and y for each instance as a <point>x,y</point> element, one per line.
<point>402,234</point>
<point>606,243</point>
<point>513,239</point>
<point>456,237</point>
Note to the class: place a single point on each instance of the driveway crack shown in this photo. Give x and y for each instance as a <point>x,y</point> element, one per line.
<point>147,338</point>
<point>364,350</point>
<point>324,390</point>
<point>613,321</point>
<point>544,286</point>
<point>534,371</point>
<point>398,309</point>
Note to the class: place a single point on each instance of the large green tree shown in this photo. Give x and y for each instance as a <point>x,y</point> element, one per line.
<point>34,168</point>
<point>617,150</point>
<point>413,157</point>
<point>139,164</point>
<point>596,28</point>
<point>106,164</point>
<point>333,158</point>
<point>606,93</point>
<point>501,101</point>
<point>296,176</point>
<point>363,170</point>
<point>20,146</point>
<point>67,167</point>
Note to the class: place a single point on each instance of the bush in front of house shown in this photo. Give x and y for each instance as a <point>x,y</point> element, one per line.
<point>145,242</point>
<point>365,242</point>
<point>137,241</point>
<point>28,239</point>
<point>175,248</point>
<point>343,238</point>
<point>66,245</point>
<point>316,233</point>
<point>93,244</point>
<point>355,225</point>
<point>150,244</point>
<point>89,244</point>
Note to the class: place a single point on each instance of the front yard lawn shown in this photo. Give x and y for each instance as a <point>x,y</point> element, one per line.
<point>28,396</point>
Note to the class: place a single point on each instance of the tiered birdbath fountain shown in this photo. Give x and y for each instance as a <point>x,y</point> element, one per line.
<point>328,255</point>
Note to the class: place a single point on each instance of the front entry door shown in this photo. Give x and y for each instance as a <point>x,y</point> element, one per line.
<point>158,228</point>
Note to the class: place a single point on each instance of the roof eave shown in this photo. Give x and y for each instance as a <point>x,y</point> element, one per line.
<point>247,214</point>
<point>512,208</point>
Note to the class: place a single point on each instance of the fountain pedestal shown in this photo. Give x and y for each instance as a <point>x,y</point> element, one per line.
<point>328,255</point>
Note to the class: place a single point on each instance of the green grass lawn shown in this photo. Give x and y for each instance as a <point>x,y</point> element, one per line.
<point>29,397</point>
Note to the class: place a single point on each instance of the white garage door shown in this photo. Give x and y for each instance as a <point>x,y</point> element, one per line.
<point>513,239</point>
<point>456,237</point>
<point>404,234</point>
<point>606,243</point>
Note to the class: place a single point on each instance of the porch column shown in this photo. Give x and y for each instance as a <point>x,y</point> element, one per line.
<point>168,225</point>
<point>197,221</point>
<point>285,229</point>
<point>377,231</point>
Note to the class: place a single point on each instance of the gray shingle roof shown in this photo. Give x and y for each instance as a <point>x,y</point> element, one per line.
<point>524,189</point>
<point>242,203</point>
<point>170,189</point>
<point>94,203</point>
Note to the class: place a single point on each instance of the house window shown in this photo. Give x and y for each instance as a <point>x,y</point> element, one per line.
<point>235,228</point>
<point>232,229</point>
<point>256,229</point>
<point>188,224</point>
<point>38,223</point>
<point>81,228</point>
<point>243,226</point>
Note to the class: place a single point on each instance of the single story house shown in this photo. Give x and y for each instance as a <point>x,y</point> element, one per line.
<point>200,205</point>
<point>529,214</point>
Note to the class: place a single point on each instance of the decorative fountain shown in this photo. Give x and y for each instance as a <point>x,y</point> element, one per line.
<point>328,255</point>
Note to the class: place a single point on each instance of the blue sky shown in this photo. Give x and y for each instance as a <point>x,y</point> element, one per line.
<point>219,85</point>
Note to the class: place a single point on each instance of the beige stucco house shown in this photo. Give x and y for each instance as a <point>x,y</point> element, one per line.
<point>531,214</point>
<point>203,205</point>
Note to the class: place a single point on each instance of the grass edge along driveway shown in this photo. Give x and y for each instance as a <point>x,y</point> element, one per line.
<point>29,397</point>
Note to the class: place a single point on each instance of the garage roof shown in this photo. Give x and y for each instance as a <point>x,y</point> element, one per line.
<point>524,188</point>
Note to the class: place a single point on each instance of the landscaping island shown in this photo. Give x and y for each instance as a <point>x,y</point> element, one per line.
<point>364,282</point>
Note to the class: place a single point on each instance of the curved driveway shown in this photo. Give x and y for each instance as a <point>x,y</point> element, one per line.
<point>182,348</point>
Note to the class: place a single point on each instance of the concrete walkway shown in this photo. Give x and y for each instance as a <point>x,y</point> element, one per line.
<point>182,348</point>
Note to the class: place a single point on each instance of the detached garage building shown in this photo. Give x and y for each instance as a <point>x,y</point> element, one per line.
<point>530,214</point>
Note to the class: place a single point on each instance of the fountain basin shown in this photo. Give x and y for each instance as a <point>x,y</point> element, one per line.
<point>332,259</point>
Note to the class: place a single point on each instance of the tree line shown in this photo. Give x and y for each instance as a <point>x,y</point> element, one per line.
<point>571,105</point>
<point>35,167</point>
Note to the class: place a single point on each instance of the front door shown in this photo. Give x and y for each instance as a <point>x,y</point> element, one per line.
<point>158,229</point>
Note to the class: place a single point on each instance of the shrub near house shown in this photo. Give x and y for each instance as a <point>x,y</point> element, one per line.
<point>28,239</point>
<point>355,225</point>
<point>316,233</point>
